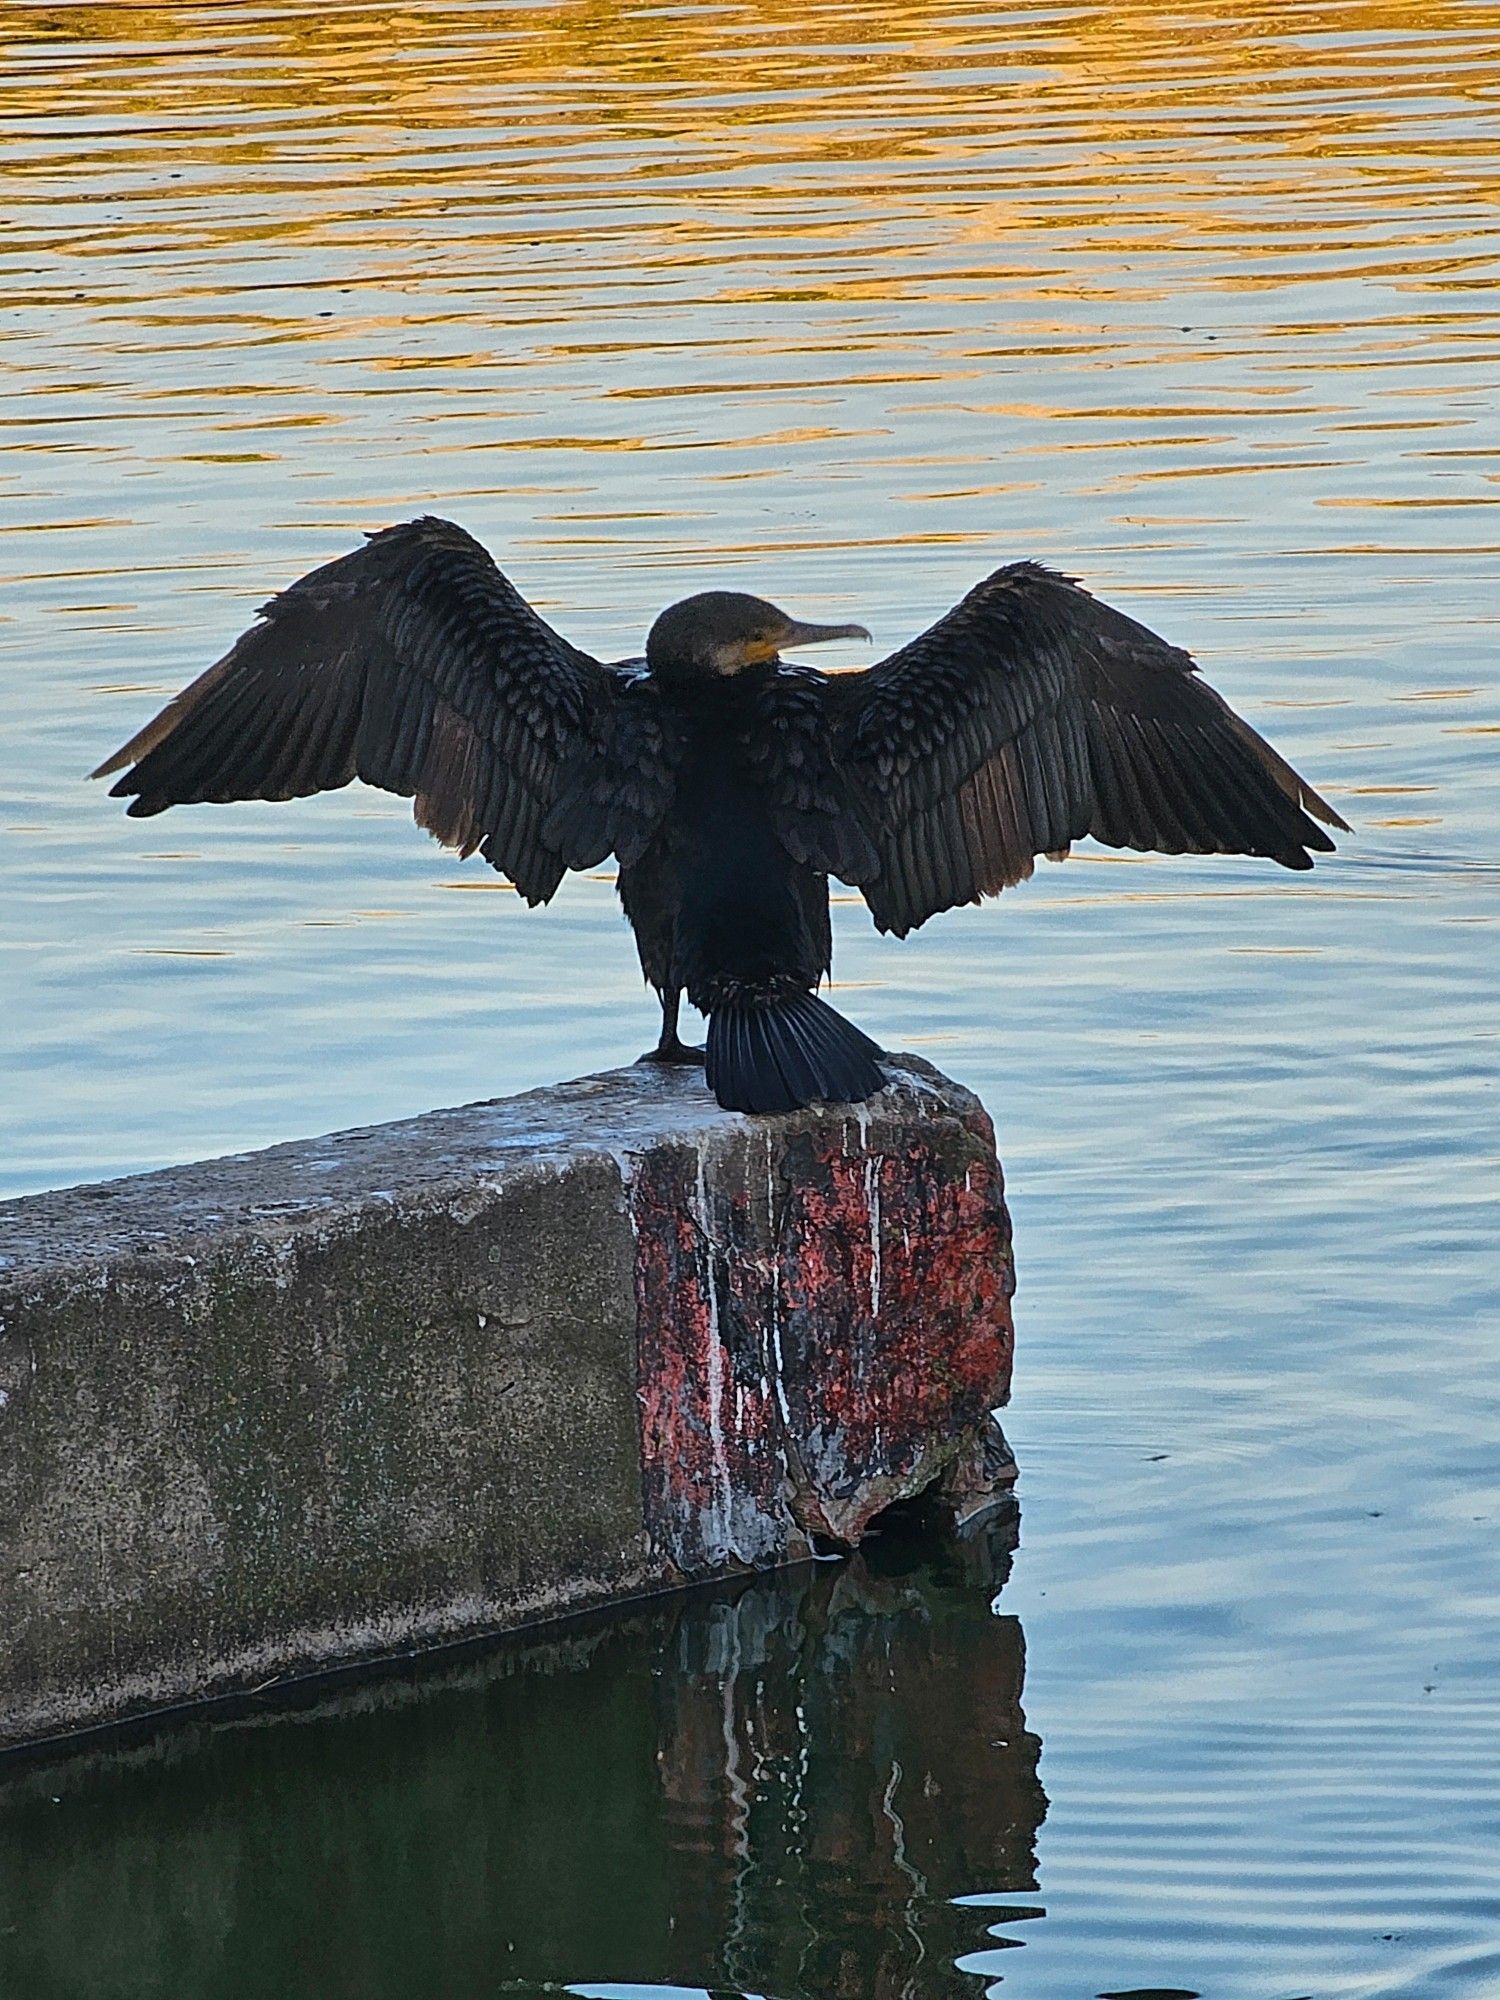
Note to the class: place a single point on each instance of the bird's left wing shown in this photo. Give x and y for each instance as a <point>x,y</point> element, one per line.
<point>415,665</point>
<point>1031,715</point>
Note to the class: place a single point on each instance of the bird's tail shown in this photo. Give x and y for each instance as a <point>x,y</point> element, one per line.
<point>779,1051</point>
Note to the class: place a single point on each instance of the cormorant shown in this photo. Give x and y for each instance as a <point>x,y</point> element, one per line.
<point>729,783</point>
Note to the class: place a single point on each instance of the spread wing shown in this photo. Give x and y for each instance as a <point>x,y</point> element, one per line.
<point>786,742</point>
<point>1032,714</point>
<point>414,665</point>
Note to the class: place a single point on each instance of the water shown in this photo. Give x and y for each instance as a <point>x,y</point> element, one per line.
<point>739,1788</point>
<point>845,304</point>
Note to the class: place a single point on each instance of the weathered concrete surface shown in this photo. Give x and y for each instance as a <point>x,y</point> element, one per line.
<point>335,1400</point>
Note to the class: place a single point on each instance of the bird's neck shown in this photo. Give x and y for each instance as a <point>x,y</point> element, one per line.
<point>701,692</point>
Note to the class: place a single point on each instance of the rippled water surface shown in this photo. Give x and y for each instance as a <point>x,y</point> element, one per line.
<point>845,304</point>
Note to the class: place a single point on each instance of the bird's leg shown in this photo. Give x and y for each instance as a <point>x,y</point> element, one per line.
<point>670,1049</point>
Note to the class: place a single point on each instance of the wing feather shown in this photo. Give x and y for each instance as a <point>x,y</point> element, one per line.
<point>415,665</point>
<point>1031,715</point>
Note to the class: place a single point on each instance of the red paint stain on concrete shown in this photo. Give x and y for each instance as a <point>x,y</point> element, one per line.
<point>712,1466</point>
<point>817,1332</point>
<point>895,1283</point>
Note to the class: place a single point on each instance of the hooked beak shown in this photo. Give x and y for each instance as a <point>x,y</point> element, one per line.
<point>798,634</point>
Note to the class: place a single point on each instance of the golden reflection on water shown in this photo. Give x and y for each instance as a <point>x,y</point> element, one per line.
<point>776,238</point>
<point>321,110</point>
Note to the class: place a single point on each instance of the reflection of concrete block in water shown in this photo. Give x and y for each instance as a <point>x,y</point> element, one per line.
<point>776,1786</point>
<point>324,1403</point>
<point>840,1759</point>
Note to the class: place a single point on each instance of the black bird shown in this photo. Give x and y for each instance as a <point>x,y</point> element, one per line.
<point>729,783</point>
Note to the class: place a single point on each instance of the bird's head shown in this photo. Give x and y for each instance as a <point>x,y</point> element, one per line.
<point>722,632</point>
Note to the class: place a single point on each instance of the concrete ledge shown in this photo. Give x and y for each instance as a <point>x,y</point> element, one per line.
<point>296,1409</point>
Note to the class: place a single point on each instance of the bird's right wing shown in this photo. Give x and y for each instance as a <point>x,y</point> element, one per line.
<point>1031,715</point>
<point>415,665</point>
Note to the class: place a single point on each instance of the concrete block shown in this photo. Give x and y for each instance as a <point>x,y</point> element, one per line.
<point>293,1410</point>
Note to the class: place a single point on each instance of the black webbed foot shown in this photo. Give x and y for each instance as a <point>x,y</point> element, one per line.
<point>672,1052</point>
